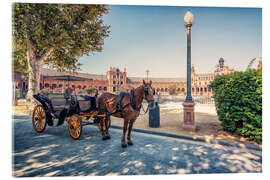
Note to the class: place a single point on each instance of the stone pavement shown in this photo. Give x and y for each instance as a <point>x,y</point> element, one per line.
<point>55,153</point>
<point>171,121</point>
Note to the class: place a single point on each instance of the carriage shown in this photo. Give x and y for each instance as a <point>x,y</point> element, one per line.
<point>76,110</point>
<point>79,110</point>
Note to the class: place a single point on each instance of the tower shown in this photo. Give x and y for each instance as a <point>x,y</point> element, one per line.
<point>221,63</point>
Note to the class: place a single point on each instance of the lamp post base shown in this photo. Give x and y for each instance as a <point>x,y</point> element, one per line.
<point>189,120</point>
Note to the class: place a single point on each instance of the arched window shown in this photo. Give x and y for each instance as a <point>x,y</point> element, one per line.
<point>53,86</point>
<point>105,88</point>
<point>201,89</point>
<point>166,89</point>
<point>205,89</point>
<point>183,89</point>
<point>47,85</point>
<point>79,87</point>
<point>178,89</point>
<point>157,89</point>
<point>162,90</point>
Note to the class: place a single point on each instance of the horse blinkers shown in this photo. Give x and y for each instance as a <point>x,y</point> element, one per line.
<point>146,91</point>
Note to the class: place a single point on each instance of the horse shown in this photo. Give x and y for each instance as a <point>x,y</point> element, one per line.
<point>128,109</point>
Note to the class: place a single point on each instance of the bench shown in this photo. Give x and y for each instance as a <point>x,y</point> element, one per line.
<point>58,101</point>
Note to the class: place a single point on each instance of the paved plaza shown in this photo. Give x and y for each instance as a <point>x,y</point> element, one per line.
<point>55,153</point>
<point>171,121</point>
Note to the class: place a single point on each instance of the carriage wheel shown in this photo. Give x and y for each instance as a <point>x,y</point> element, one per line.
<point>39,119</point>
<point>75,126</point>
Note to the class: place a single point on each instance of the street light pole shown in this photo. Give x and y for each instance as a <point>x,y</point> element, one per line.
<point>188,105</point>
<point>188,26</point>
<point>147,72</point>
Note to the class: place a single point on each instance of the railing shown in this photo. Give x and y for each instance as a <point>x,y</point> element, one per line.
<point>181,98</point>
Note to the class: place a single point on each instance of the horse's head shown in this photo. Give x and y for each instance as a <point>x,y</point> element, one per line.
<point>149,94</point>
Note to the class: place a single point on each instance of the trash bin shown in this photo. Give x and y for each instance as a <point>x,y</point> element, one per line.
<point>154,116</point>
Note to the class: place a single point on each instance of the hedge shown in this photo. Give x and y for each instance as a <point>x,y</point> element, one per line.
<point>238,99</point>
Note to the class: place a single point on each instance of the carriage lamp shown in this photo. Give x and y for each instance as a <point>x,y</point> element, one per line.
<point>188,105</point>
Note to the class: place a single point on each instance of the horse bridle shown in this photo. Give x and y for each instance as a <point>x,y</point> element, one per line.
<point>146,93</point>
<point>146,88</point>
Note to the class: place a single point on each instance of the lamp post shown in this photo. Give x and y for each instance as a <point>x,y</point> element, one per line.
<point>147,72</point>
<point>188,18</point>
<point>188,105</point>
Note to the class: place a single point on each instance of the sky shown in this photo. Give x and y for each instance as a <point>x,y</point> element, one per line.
<point>154,38</point>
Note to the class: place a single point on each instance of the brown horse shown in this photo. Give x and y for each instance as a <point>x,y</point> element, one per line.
<point>129,109</point>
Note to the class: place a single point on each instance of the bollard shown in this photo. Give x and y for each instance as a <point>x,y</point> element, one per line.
<point>154,116</point>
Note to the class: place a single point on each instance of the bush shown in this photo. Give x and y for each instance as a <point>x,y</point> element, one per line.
<point>172,90</point>
<point>90,91</point>
<point>238,99</point>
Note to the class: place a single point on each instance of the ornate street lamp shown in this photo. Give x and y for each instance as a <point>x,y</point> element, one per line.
<point>188,18</point>
<point>189,121</point>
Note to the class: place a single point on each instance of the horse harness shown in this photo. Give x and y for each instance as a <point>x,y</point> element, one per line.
<point>132,102</point>
<point>120,109</point>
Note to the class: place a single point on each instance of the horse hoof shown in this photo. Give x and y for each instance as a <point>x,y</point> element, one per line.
<point>124,145</point>
<point>108,137</point>
<point>130,143</point>
<point>104,138</point>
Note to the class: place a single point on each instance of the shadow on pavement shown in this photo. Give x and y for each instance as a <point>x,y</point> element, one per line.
<point>54,153</point>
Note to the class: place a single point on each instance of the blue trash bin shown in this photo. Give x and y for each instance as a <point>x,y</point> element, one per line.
<point>154,116</point>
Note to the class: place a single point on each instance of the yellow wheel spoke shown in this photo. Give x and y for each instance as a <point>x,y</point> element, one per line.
<point>74,126</point>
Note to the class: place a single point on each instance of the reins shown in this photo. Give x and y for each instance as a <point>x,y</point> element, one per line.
<point>132,104</point>
<point>144,110</point>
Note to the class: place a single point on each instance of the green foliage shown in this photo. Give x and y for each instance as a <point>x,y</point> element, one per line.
<point>172,90</point>
<point>72,30</point>
<point>90,91</point>
<point>238,98</point>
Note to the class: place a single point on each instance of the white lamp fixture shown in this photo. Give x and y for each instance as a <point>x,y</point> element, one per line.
<point>188,18</point>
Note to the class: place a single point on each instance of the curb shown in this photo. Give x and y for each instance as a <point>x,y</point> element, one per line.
<point>198,139</point>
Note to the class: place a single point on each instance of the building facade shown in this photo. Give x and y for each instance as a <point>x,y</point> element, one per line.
<point>116,81</point>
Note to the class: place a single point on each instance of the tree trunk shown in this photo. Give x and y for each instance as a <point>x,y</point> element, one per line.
<point>34,78</point>
<point>34,66</point>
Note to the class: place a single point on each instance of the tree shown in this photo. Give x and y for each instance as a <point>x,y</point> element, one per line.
<point>250,64</point>
<point>172,90</point>
<point>55,35</point>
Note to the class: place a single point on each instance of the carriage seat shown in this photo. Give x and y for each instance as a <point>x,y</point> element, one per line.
<point>87,103</point>
<point>58,101</point>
